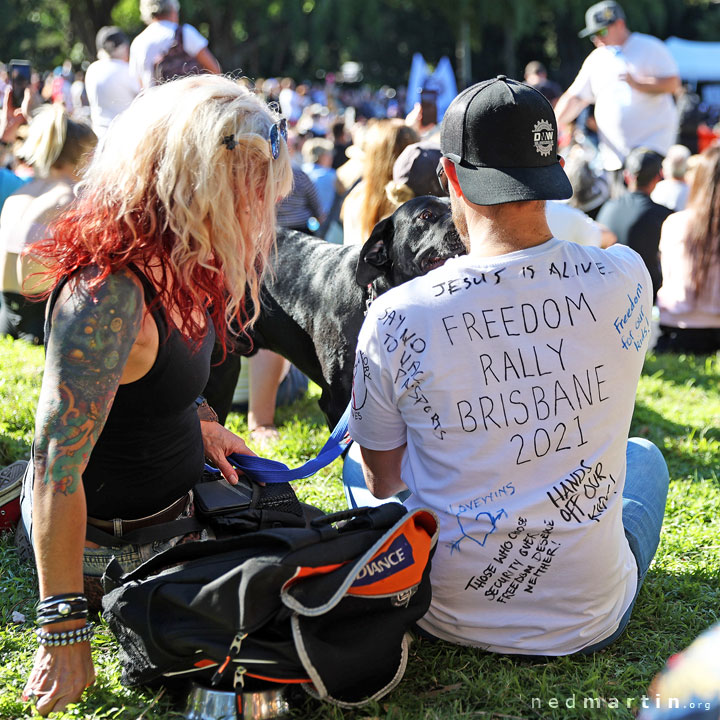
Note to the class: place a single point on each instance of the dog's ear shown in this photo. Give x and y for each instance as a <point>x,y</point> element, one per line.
<point>374,257</point>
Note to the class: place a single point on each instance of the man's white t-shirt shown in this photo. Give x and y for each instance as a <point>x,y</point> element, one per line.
<point>110,89</point>
<point>154,41</point>
<point>512,380</point>
<point>627,118</point>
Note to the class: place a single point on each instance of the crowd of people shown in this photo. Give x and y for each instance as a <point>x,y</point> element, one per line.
<point>141,212</point>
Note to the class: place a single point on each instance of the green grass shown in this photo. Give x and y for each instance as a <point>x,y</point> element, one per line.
<point>678,408</point>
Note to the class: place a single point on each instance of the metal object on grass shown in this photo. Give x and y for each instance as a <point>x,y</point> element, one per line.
<point>210,704</point>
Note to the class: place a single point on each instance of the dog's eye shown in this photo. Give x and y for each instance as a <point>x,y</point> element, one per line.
<point>426,215</point>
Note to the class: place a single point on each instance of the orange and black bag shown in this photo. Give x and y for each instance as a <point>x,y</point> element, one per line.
<point>326,607</point>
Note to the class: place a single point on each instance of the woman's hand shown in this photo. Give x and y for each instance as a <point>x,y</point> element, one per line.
<point>11,118</point>
<point>59,676</point>
<point>219,442</point>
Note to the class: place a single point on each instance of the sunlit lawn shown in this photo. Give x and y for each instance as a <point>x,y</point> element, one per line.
<point>678,408</point>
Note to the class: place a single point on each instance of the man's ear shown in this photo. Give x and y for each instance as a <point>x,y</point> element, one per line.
<point>452,177</point>
<point>374,257</point>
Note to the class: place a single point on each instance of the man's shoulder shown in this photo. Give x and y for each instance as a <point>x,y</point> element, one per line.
<point>415,295</point>
<point>610,209</point>
<point>624,262</point>
<point>652,48</point>
<point>643,39</point>
<point>659,210</point>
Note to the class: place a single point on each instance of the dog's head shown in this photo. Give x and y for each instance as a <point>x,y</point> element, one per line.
<point>418,237</point>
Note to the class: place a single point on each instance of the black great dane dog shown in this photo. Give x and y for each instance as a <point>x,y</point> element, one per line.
<point>314,302</point>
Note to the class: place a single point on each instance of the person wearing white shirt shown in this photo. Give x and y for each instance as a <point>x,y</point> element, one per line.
<point>110,87</point>
<point>499,389</point>
<point>673,191</point>
<point>569,223</point>
<point>630,77</point>
<point>162,18</point>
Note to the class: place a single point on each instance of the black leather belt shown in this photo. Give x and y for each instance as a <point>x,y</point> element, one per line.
<point>118,527</point>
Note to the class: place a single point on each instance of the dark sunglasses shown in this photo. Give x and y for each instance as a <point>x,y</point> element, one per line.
<point>277,131</point>
<point>600,33</point>
<point>442,178</point>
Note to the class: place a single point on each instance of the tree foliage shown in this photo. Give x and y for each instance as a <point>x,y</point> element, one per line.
<point>303,38</point>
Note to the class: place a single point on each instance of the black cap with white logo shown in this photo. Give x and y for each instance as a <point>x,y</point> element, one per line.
<point>502,137</point>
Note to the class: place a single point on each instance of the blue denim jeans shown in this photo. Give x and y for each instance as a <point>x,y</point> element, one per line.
<point>644,496</point>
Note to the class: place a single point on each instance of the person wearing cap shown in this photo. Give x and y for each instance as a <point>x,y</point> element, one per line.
<point>634,217</point>
<point>499,388</point>
<point>414,173</point>
<point>110,87</point>
<point>630,77</point>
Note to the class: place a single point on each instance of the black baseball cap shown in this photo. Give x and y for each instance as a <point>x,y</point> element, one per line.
<point>502,136</point>
<point>601,15</point>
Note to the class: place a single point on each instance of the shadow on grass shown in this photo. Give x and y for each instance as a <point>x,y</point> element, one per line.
<point>702,371</point>
<point>670,437</point>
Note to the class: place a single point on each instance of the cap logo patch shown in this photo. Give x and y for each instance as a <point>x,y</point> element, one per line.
<point>543,137</point>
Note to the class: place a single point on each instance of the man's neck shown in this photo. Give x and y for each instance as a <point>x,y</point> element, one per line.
<point>501,229</point>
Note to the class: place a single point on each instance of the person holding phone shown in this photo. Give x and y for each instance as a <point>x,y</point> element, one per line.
<point>11,119</point>
<point>57,149</point>
<point>423,118</point>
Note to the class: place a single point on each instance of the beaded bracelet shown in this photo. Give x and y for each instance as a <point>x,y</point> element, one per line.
<point>66,637</point>
<point>57,608</point>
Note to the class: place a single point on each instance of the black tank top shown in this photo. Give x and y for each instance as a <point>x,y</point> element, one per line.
<point>150,451</point>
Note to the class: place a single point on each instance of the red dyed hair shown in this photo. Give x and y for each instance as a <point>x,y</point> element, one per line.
<point>90,236</point>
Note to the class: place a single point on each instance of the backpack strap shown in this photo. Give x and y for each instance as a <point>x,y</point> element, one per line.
<point>179,36</point>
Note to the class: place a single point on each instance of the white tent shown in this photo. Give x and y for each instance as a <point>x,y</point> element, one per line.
<point>698,61</point>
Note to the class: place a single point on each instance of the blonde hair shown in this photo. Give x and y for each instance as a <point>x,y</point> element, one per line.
<point>54,140</point>
<point>384,141</point>
<point>185,178</point>
<point>398,193</point>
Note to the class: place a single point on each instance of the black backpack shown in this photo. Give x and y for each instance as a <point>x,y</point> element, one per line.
<point>326,607</point>
<point>176,62</point>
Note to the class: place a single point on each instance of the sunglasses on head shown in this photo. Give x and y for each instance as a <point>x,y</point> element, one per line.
<point>442,177</point>
<point>277,131</point>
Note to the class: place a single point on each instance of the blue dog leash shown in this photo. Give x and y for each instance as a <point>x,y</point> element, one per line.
<point>273,471</point>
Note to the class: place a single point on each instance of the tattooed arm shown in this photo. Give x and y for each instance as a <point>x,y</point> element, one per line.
<point>88,348</point>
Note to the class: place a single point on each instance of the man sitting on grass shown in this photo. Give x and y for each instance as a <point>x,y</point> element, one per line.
<point>499,390</point>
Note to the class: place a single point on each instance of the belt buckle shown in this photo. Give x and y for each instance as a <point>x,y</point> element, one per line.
<point>117,527</point>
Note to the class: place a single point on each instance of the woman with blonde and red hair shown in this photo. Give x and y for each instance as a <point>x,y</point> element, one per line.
<point>689,299</point>
<point>173,224</point>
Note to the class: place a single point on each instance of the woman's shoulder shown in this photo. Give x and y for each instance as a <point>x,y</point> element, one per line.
<point>677,222</point>
<point>88,287</point>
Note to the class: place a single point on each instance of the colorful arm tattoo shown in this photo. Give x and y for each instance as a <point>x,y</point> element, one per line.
<point>90,340</point>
